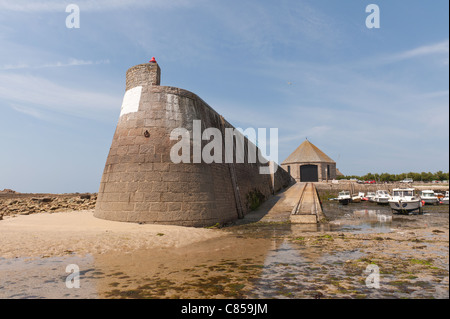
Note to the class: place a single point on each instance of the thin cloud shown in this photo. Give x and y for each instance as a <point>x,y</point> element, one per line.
<point>71,62</point>
<point>436,48</point>
<point>33,112</point>
<point>48,95</point>
<point>99,5</point>
<point>270,26</point>
<point>28,6</point>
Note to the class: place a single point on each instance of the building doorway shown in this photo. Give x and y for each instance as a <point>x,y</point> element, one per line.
<point>309,173</point>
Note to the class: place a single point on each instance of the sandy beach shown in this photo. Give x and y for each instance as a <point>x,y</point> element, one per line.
<point>80,233</point>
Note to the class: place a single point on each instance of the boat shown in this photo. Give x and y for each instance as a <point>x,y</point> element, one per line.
<point>429,197</point>
<point>381,197</point>
<point>404,200</point>
<point>370,196</point>
<point>357,198</point>
<point>363,196</point>
<point>344,197</point>
<point>445,199</point>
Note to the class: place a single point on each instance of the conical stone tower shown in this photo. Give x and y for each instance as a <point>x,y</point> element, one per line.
<point>141,183</point>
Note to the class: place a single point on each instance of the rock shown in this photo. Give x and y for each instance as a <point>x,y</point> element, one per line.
<point>42,204</point>
<point>9,191</point>
<point>42,199</point>
<point>318,295</point>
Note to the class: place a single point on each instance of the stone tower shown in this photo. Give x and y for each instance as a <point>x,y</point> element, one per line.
<point>140,183</point>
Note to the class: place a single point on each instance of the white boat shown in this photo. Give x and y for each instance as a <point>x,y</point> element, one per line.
<point>445,199</point>
<point>404,200</point>
<point>370,196</point>
<point>382,197</point>
<point>429,197</point>
<point>344,197</point>
<point>357,198</point>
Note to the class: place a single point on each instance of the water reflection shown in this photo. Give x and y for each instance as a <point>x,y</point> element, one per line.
<point>233,267</point>
<point>291,271</point>
<point>357,220</point>
<point>218,268</point>
<point>372,215</point>
<point>27,278</point>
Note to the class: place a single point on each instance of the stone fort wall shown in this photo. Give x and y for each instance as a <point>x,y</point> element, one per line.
<point>140,183</point>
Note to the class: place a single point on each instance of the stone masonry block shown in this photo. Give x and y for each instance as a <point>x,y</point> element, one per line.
<point>172,207</point>
<point>172,197</point>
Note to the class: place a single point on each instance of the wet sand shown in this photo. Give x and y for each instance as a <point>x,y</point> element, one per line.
<point>79,232</point>
<point>262,256</point>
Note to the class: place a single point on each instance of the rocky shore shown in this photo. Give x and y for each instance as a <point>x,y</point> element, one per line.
<point>12,203</point>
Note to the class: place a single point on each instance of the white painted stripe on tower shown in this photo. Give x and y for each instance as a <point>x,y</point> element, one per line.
<point>131,99</point>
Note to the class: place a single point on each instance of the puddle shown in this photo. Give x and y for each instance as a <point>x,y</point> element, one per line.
<point>366,221</point>
<point>368,217</point>
<point>292,272</point>
<point>26,278</point>
<point>217,268</point>
<point>342,219</point>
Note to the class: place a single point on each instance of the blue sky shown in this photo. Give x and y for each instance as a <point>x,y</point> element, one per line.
<point>374,100</point>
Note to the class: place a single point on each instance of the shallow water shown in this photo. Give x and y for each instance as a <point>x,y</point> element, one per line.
<point>26,278</point>
<point>255,260</point>
<point>367,217</point>
<point>292,272</point>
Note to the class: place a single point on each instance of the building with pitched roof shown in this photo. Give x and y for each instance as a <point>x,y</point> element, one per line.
<point>309,164</point>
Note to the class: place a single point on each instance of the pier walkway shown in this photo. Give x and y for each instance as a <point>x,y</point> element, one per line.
<point>297,204</point>
<point>308,209</point>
